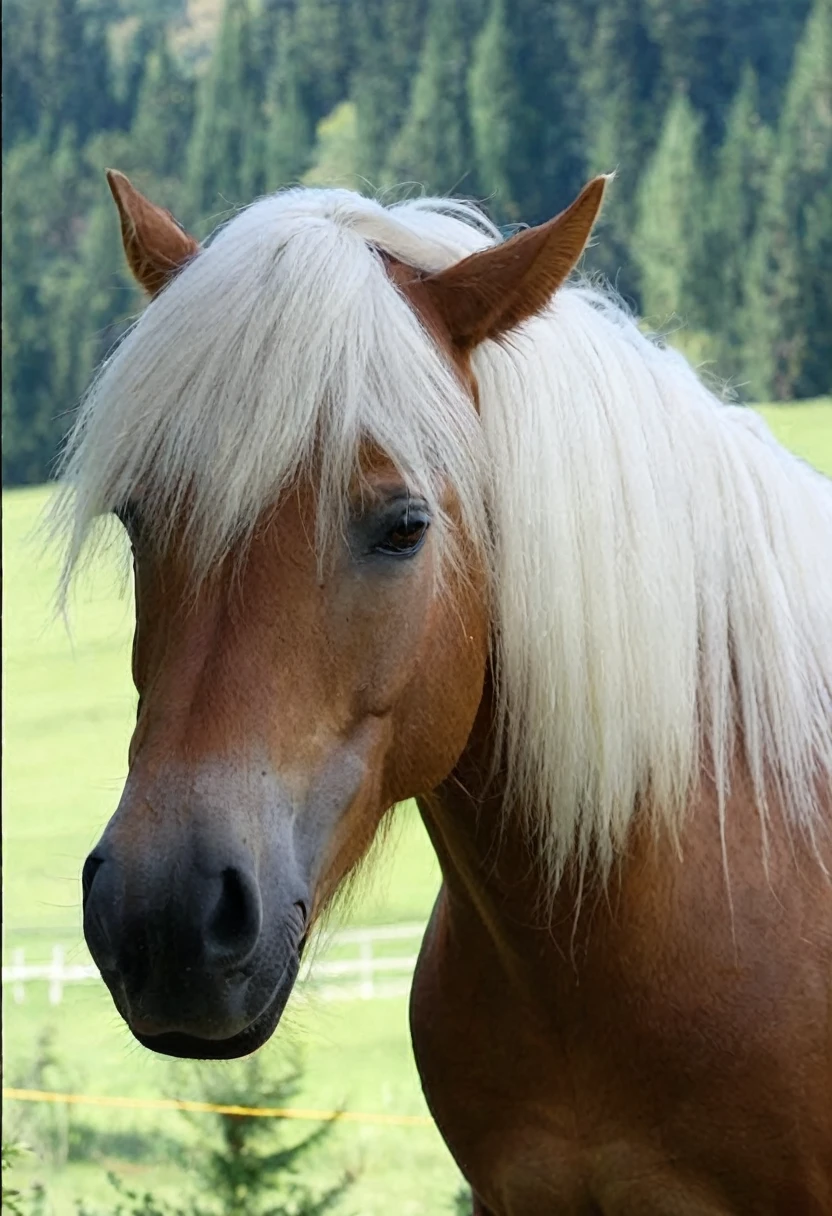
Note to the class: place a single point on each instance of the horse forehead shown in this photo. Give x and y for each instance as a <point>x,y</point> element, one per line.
<point>276,572</point>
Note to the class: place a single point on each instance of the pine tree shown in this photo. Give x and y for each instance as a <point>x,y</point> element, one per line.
<point>133,67</point>
<point>668,242</point>
<point>164,113</point>
<point>526,108</point>
<point>43,197</point>
<point>74,87</point>
<point>323,46</point>
<point>388,39</point>
<point>494,106</point>
<point>289,134</point>
<point>269,20</point>
<point>705,44</point>
<point>22,100</point>
<point>91,305</point>
<point>99,107</point>
<point>742,166</point>
<point>547,167</point>
<point>226,115</point>
<point>29,431</point>
<point>434,145</point>
<point>245,1163</point>
<point>620,80</point>
<point>789,283</point>
<point>265,18</point>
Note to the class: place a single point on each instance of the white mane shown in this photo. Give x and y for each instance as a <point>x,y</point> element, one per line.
<point>662,573</point>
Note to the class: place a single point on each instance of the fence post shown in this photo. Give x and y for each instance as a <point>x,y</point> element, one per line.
<point>365,950</point>
<point>56,978</point>
<point>18,991</point>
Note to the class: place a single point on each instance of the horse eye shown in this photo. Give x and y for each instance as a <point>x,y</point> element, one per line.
<point>406,537</point>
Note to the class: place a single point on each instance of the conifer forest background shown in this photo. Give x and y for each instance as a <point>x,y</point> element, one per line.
<point>716,114</point>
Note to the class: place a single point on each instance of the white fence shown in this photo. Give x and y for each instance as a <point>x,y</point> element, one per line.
<point>363,970</point>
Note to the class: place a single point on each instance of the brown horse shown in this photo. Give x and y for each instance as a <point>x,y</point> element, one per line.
<point>411,516</point>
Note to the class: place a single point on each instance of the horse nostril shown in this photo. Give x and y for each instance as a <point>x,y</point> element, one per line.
<point>91,867</point>
<point>235,923</point>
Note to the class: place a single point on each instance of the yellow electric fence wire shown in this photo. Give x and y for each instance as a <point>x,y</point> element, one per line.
<point>257,1112</point>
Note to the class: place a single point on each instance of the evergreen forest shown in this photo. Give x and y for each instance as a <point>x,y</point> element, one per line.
<point>716,115</point>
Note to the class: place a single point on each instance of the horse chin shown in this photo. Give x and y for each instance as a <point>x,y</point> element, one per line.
<point>185,1046</point>
<point>189,1047</point>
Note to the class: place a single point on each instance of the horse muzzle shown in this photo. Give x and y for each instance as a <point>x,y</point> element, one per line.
<point>199,941</point>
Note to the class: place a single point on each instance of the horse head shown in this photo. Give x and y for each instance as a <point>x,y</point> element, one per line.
<point>305,680</point>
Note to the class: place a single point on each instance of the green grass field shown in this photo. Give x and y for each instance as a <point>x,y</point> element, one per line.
<point>69,706</point>
<point>806,428</point>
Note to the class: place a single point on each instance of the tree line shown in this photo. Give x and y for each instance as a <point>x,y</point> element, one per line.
<point>716,114</point>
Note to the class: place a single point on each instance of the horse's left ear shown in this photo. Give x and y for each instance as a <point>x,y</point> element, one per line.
<point>155,246</point>
<point>495,290</point>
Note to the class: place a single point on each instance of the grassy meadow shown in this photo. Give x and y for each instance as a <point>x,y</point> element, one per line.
<point>69,705</point>
<point>805,428</point>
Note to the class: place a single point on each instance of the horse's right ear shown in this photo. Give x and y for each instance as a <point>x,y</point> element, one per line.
<point>491,292</point>
<point>155,246</point>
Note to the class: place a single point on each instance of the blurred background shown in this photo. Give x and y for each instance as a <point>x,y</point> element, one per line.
<point>717,117</point>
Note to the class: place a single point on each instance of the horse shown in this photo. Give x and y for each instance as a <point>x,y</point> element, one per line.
<point>418,512</point>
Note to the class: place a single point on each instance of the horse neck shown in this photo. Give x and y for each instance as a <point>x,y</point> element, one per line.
<point>488,866</point>
<point>492,872</point>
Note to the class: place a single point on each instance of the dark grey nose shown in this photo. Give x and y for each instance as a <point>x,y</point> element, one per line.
<point>199,957</point>
<point>209,920</point>
<point>196,918</point>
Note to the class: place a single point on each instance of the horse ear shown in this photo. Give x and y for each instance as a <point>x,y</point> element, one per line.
<point>491,292</point>
<point>155,246</point>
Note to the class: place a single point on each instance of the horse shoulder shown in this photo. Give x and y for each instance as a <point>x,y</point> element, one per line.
<point>665,1045</point>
